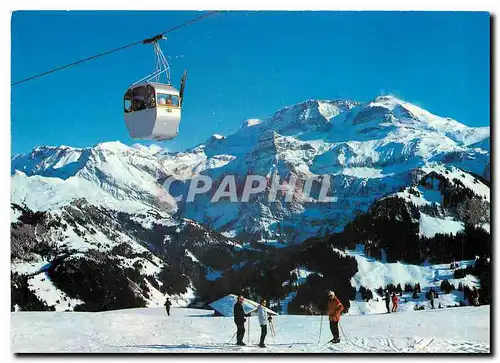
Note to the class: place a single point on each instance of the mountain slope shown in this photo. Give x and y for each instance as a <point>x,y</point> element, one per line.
<point>368,150</point>
<point>444,217</point>
<point>87,257</point>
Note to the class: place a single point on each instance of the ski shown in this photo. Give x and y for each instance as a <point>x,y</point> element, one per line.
<point>419,346</point>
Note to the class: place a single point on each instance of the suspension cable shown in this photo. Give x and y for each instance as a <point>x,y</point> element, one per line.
<point>144,41</point>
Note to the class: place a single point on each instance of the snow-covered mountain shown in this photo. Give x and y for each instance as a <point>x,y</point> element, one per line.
<point>87,209</point>
<point>443,217</point>
<point>368,150</point>
<point>91,258</point>
<point>110,174</point>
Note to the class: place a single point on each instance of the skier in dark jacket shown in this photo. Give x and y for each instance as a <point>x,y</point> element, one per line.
<point>239,320</point>
<point>167,306</point>
<point>387,301</point>
<point>431,297</point>
<point>475,297</point>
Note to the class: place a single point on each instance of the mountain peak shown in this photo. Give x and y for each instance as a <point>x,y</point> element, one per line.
<point>310,115</point>
<point>217,137</point>
<point>212,140</point>
<point>114,146</point>
<point>401,108</point>
<point>251,122</point>
<point>150,149</point>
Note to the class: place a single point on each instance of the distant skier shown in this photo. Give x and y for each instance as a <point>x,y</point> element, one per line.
<point>335,307</point>
<point>309,309</point>
<point>239,320</point>
<point>263,319</point>
<point>475,297</point>
<point>395,300</point>
<point>167,306</point>
<point>387,301</point>
<point>431,297</point>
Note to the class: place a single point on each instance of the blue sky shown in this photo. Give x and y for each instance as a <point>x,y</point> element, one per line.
<point>241,65</point>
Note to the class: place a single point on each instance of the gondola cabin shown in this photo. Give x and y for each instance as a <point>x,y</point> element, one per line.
<point>152,111</point>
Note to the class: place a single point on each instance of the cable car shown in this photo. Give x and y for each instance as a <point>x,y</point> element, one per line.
<point>153,108</point>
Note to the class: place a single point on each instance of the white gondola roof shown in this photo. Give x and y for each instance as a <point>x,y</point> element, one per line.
<point>159,87</point>
<point>225,305</point>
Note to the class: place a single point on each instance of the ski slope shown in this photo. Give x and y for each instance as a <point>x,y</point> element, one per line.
<point>149,330</point>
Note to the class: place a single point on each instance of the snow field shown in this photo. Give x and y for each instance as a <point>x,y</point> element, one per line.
<point>373,274</point>
<point>149,330</point>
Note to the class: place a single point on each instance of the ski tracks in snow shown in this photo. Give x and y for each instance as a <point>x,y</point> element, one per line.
<point>192,331</point>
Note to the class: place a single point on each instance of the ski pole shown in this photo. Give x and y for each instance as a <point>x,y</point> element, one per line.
<point>320,327</point>
<point>230,340</point>
<point>248,336</point>
<point>342,330</point>
<point>272,328</point>
<point>273,332</point>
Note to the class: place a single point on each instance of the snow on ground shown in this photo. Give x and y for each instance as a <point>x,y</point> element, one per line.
<point>150,149</point>
<point>302,274</point>
<point>466,179</point>
<point>45,289</point>
<point>66,158</point>
<point>328,110</point>
<point>245,246</point>
<point>27,268</point>
<point>426,196</point>
<point>251,122</point>
<point>364,172</point>
<point>147,267</point>
<point>14,215</point>
<point>146,222</point>
<point>183,300</point>
<point>191,256</point>
<point>41,193</point>
<point>430,226</point>
<point>156,298</point>
<point>274,243</point>
<point>373,274</point>
<point>149,330</point>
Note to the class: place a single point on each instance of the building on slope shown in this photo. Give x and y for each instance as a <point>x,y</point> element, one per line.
<point>224,306</point>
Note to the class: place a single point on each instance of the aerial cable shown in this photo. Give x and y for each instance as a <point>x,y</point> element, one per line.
<point>144,41</point>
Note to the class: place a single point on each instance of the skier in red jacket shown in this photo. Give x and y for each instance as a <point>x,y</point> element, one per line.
<point>335,307</point>
<point>395,300</point>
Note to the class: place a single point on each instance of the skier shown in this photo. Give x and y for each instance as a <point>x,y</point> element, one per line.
<point>335,307</point>
<point>387,301</point>
<point>167,306</point>
<point>475,297</point>
<point>309,309</point>
<point>239,320</point>
<point>395,300</point>
<point>263,319</point>
<point>431,296</point>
